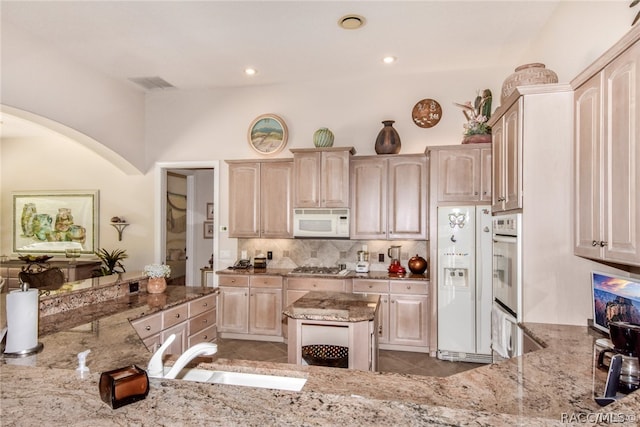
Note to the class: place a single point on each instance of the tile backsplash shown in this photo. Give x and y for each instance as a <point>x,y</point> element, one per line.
<point>291,253</point>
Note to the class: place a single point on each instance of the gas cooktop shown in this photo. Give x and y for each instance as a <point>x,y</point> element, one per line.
<point>319,271</point>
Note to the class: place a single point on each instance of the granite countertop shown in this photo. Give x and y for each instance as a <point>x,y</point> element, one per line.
<point>334,306</point>
<point>376,275</point>
<point>551,386</point>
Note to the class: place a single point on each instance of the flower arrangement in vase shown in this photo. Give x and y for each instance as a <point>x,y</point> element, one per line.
<point>476,130</point>
<point>157,274</point>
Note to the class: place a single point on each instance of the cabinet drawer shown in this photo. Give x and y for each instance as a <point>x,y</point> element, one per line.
<point>266,281</point>
<point>360,285</point>
<point>202,321</point>
<point>315,284</point>
<point>209,334</point>
<point>404,287</point>
<point>148,325</point>
<point>233,281</point>
<point>201,305</point>
<point>175,315</point>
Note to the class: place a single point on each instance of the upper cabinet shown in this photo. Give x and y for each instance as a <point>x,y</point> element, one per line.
<point>321,177</point>
<point>507,159</point>
<point>535,120</point>
<point>260,196</point>
<point>607,158</point>
<point>461,173</point>
<point>389,197</point>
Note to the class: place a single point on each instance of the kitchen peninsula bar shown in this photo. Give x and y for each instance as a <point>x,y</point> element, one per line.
<point>335,318</point>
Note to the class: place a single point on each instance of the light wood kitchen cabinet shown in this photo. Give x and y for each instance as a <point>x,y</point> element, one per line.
<point>192,322</point>
<point>507,159</point>
<point>404,319</point>
<point>607,158</point>
<point>321,177</point>
<point>461,173</point>
<point>260,199</point>
<point>534,119</point>
<point>389,197</point>
<point>251,306</point>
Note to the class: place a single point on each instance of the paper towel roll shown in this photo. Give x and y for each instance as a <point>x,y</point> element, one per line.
<point>22,321</point>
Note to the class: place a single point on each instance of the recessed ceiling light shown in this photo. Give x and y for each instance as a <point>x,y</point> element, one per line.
<point>250,71</point>
<point>389,59</point>
<point>351,22</point>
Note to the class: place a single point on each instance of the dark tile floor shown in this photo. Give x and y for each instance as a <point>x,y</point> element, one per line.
<point>402,362</point>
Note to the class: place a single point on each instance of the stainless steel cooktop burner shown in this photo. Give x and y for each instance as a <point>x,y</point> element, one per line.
<point>320,271</point>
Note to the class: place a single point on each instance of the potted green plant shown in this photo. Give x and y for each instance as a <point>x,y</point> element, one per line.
<point>111,261</point>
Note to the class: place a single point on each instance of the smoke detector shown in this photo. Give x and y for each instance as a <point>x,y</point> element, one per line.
<point>351,22</point>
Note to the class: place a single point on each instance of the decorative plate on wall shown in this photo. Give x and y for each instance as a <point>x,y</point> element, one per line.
<point>268,134</point>
<point>426,113</point>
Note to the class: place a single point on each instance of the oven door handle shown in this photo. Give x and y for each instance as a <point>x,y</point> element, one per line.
<point>504,239</point>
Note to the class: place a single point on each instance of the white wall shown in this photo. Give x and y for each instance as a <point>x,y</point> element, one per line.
<point>39,80</point>
<point>57,163</point>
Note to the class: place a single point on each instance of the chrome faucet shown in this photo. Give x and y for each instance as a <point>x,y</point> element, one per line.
<point>155,369</point>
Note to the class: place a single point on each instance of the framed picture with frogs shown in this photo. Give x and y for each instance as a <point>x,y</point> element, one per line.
<point>268,134</point>
<point>55,221</point>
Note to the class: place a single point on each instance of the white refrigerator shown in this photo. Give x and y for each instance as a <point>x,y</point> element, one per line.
<point>464,278</point>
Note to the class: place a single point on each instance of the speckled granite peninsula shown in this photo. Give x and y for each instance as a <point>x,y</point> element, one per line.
<point>552,386</point>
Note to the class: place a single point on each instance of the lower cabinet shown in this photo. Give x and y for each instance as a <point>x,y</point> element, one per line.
<point>404,319</point>
<point>192,322</point>
<point>250,305</point>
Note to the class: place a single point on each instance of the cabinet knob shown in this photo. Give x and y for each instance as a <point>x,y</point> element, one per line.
<point>147,328</point>
<point>205,321</point>
<point>475,193</point>
<point>370,286</point>
<point>594,243</point>
<point>603,244</point>
<point>408,286</point>
<point>206,337</point>
<point>178,316</point>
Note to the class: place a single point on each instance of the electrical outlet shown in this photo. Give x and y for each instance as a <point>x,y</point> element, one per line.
<point>223,228</point>
<point>134,287</point>
<point>269,255</point>
<point>380,257</point>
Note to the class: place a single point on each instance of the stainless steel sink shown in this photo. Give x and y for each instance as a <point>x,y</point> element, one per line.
<point>240,378</point>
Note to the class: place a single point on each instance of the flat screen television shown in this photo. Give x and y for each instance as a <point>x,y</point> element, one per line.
<point>615,298</point>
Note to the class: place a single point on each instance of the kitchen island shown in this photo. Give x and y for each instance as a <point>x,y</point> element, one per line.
<point>336,319</point>
<point>552,386</point>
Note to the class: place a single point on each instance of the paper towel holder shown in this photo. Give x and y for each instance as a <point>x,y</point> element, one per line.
<point>24,287</point>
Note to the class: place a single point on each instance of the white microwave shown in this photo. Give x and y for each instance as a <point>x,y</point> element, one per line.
<point>321,223</point>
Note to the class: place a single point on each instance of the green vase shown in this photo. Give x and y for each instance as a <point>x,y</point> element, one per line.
<point>323,137</point>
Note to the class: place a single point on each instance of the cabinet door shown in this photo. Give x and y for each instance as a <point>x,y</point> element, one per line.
<point>335,179</point>
<point>233,310</point>
<point>368,199</point>
<point>458,175</point>
<point>408,320</point>
<point>485,174</point>
<point>587,168</point>
<point>512,156</point>
<point>276,214</point>
<point>265,311</point>
<point>497,159</point>
<point>622,138</point>
<point>179,345</point>
<point>407,197</point>
<point>244,199</point>
<point>306,172</point>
